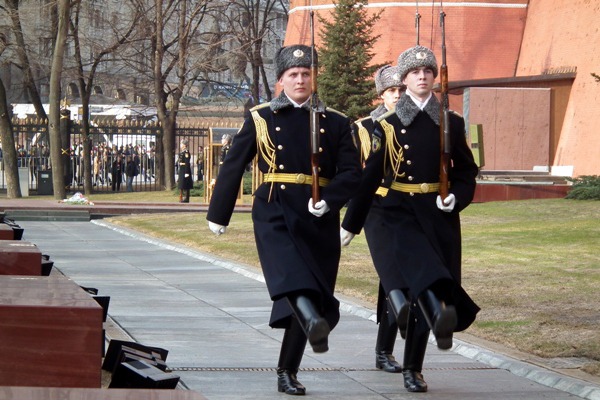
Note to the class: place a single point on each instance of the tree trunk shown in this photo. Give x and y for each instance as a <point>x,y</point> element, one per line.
<point>58,183</point>
<point>9,152</point>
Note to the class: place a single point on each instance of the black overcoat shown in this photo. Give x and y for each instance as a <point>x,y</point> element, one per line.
<point>297,250</point>
<point>184,167</point>
<point>425,242</point>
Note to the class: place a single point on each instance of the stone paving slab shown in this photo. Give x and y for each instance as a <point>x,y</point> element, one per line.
<point>212,316</point>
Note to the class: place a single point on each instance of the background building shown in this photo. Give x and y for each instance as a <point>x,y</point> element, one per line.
<point>522,69</point>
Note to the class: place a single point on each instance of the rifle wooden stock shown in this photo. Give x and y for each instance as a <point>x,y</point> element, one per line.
<point>444,133</point>
<point>314,145</point>
<point>445,145</point>
<point>314,116</point>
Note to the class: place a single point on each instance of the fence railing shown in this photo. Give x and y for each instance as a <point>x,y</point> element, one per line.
<point>135,142</point>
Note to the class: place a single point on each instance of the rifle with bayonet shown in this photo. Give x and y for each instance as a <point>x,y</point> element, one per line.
<point>314,116</point>
<point>445,145</point>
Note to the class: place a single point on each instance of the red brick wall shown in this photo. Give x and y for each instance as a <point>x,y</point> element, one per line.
<point>496,39</point>
<point>566,34</point>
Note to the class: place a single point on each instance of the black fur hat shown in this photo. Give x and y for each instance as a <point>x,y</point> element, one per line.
<point>297,55</point>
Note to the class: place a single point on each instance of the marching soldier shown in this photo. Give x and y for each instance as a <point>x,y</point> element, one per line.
<point>423,229</point>
<point>297,241</point>
<point>389,88</point>
<point>185,181</point>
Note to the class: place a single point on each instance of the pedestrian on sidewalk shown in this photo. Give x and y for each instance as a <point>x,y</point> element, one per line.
<point>297,239</point>
<point>389,87</point>
<point>423,229</point>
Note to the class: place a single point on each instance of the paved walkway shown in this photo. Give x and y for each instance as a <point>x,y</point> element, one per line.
<point>212,316</point>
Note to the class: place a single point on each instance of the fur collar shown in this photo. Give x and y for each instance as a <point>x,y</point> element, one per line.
<point>282,101</point>
<point>407,110</point>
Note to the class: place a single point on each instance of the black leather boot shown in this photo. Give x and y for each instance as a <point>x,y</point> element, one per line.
<point>186,197</point>
<point>292,350</point>
<point>414,354</point>
<point>386,339</point>
<point>314,325</point>
<point>441,318</point>
<point>399,306</point>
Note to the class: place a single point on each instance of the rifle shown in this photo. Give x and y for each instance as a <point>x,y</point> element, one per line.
<point>314,116</point>
<point>445,145</point>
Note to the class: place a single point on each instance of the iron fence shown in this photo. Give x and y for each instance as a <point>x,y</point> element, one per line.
<point>134,142</point>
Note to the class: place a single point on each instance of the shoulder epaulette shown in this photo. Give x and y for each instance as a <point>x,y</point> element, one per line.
<point>362,119</point>
<point>336,111</point>
<point>387,114</point>
<point>262,105</point>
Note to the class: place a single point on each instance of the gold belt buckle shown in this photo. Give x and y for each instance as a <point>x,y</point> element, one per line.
<point>424,187</point>
<point>300,178</point>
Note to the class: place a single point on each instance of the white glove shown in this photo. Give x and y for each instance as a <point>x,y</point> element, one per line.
<point>216,228</point>
<point>346,237</point>
<point>319,209</point>
<point>187,175</point>
<point>448,204</point>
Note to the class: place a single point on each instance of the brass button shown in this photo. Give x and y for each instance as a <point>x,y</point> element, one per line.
<point>281,166</point>
<point>277,128</point>
<point>280,147</point>
<point>408,162</point>
<point>322,130</point>
<point>411,193</point>
<point>282,187</point>
<point>300,178</point>
<point>320,149</point>
<point>424,187</point>
<point>403,131</point>
<point>406,147</point>
<point>410,178</point>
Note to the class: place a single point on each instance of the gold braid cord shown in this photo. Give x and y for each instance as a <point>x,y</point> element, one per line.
<point>265,147</point>
<point>393,149</point>
<point>365,141</point>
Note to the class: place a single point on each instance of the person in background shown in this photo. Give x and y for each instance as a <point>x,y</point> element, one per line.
<point>297,237</point>
<point>423,229</point>
<point>116,172</point>
<point>392,312</point>
<point>185,181</point>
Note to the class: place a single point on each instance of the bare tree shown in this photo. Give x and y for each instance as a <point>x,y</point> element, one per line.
<point>12,7</point>
<point>174,27</point>
<point>253,22</point>
<point>55,95</point>
<point>7,139</point>
<point>86,73</point>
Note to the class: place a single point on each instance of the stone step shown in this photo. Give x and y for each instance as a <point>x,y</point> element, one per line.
<point>48,215</point>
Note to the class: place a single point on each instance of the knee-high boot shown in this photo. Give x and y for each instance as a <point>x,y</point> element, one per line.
<point>186,198</point>
<point>441,318</point>
<point>386,339</point>
<point>399,306</point>
<point>312,322</point>
<point>417,336</point>
<point>292,350</point>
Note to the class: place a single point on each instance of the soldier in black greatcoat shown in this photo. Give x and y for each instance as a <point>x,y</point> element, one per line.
<point>297,241</point>
<point>185,181</point>
<point>424,230</point>
<point>389,88</point>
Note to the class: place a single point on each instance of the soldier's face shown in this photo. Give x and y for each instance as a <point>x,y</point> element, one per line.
<point>390,97</point>
<point>419,82</point>
<point>296,83</point>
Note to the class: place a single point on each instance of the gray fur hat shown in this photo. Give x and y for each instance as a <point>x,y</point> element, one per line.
<point>416,57</point>
<point>297,55</point>
<point>387,77</point>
